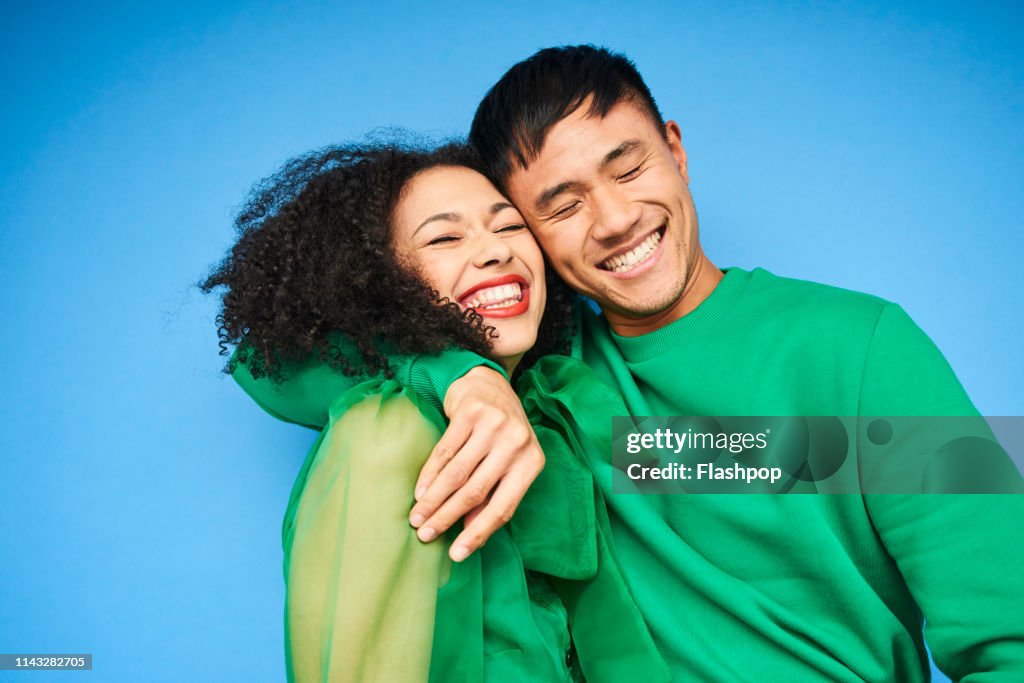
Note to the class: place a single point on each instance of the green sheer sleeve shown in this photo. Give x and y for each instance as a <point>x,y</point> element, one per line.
<point>361,589</point>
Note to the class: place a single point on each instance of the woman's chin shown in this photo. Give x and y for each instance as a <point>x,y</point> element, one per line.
<point>509,354</point>
<point>515,337</point>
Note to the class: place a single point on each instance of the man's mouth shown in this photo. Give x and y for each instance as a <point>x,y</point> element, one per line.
<point>623,263</point>
<point>503,297</point>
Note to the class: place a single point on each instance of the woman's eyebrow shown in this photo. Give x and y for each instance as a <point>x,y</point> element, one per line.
<point>448,216</point>
<point>453,217</point>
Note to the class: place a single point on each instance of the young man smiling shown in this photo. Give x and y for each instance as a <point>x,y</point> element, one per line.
<point>608,200</point>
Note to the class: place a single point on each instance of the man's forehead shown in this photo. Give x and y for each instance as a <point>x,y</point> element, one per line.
<point>626,119</point>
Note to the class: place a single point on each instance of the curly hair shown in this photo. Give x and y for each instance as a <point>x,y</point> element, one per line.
<point>313,260</point>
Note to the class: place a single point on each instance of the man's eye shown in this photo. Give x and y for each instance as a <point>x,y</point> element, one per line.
<point>565,210</point>
<point>629,175</point>
<point>442,239</point>
<point>512,228</point>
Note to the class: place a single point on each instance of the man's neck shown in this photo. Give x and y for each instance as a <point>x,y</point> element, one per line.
<point>702,280</point>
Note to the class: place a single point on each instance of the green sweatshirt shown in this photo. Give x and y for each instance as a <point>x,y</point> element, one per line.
<point>809,587</point>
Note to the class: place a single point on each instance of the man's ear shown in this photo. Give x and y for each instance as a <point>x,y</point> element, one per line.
<point>674,137</point>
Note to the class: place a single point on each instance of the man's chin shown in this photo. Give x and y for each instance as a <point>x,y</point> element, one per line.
<point>636,310</point>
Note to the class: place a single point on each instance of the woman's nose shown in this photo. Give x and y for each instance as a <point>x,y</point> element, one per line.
<point>492,250</point>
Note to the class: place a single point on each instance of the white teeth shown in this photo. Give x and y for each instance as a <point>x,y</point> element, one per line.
<point>626,262</point>
<point>501,296</point>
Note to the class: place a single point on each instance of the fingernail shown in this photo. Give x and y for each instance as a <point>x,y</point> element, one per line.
<point>426,533</point>
<point>418,493</point>
<point>416,519</point>
<point>459,552</point>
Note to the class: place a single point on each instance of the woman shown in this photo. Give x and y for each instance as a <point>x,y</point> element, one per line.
<point>409,252</point>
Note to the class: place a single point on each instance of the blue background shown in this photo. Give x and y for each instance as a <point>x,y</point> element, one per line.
<point>868,145</point>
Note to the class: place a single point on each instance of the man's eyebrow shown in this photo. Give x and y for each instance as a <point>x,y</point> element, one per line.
<point>549,194</point>
<point>621,151</point>
<point>453,217</point>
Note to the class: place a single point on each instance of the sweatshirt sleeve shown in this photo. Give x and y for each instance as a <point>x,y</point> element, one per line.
<point>361,588</point>
<point>308,388</point>
<point>957,552</point>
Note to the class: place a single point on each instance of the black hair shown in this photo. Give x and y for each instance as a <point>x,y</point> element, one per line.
<point>515,116</point>
<point>313,259</point>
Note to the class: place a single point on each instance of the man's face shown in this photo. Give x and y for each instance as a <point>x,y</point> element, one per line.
<point>609,202</point>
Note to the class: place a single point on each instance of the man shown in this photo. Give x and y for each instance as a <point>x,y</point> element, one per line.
<point>744,587</point>
<point>748,587</point>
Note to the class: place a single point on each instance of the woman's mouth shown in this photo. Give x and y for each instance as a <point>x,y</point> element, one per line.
<point>503,297</point>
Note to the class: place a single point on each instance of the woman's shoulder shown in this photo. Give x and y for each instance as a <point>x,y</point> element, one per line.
<point>377,431</point>
<point>389,407</point>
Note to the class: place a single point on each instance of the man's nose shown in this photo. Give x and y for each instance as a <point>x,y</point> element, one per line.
<point>491,250</point>
<point>613,213</point>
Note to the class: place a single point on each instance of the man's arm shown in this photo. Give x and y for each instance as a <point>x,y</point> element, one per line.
<point>487,422</point>
<point>308,387</point>
<point>481,467</point>
<point>304,394</point>
<point>958,553</point>
<point>484,463</point>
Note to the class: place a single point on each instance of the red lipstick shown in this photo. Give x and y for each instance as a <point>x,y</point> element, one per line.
<point>512,311</point>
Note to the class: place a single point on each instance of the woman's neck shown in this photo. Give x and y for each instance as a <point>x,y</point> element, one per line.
<point>510,363</point>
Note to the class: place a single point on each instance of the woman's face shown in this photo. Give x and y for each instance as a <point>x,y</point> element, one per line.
<point>473,247</point>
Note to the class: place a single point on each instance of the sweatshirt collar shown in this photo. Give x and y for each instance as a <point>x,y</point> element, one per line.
<point>698,323</point>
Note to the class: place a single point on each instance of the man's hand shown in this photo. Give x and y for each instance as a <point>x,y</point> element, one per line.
<point>481,467</point>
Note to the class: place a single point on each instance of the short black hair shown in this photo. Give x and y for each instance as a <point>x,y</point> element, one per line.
<point>515,116</point>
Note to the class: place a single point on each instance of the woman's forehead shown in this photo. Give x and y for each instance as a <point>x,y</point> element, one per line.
<point>454,190</point>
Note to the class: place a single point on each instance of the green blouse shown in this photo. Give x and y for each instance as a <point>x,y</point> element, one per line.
<point>367,601</point>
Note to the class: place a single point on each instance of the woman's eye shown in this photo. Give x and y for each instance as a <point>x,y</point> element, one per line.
<point>442,239</point>
<point>629,175</point>
<point>512,228</point>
